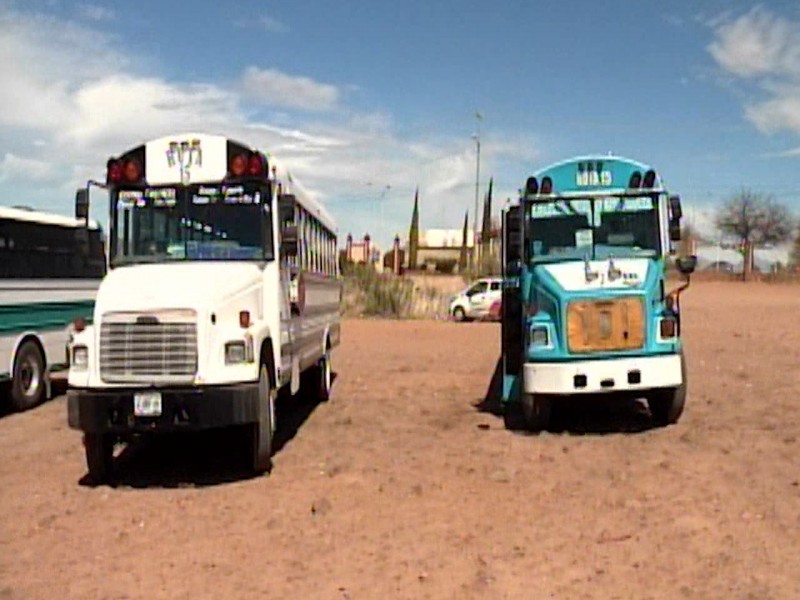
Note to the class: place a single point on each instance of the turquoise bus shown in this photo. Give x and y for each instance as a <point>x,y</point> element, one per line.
<point>50,269</point>
<point>585,310</point>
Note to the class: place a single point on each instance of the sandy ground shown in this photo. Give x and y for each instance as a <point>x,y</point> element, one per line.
<point>406,485</point>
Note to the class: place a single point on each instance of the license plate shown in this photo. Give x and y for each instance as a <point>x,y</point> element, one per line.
<point>147,404</point>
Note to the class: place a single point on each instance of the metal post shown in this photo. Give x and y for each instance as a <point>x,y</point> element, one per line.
<point>477,138</point>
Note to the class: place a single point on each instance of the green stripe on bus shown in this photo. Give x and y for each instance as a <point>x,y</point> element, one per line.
<point>41,316</point>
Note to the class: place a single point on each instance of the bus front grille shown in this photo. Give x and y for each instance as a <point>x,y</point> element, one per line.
<point>148,347</point>
<point>600,325</point>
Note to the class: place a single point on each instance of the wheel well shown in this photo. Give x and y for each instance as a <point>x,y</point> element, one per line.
<point>267,357</point>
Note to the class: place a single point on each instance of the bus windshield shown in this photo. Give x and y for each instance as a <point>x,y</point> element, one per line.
<point>193,223</point>
<point>594,228</point>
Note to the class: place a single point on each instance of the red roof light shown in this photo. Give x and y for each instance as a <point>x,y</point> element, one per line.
<point>238,165</point>
<point>114,174</point>
<point>255,166</point>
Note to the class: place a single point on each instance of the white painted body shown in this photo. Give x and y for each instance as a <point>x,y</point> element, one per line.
<point>558,378</point>
<point>211,294</point>
<point>478,305</point>
<point>221,289</point>
<point>571,275</point>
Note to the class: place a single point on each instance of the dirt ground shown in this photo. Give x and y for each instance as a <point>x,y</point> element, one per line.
<point>406,485</point>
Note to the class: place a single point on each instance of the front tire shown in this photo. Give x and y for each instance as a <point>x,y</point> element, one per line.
<point>28,385</point>
<point>99,449</point>
<point>666,405</point>
<point>261,432</point>
<point>537,410</point>
<point>459,315</point>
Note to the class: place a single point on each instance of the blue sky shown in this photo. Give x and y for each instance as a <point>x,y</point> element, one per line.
<point>355,97</point>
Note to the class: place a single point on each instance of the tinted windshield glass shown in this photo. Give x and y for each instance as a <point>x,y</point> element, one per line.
<point>194,223</point>
<point>597,228</point>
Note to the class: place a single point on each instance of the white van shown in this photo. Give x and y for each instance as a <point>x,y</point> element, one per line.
<point>478,301</point>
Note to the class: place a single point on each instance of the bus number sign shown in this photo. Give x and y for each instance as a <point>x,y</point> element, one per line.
<point>592,174</point>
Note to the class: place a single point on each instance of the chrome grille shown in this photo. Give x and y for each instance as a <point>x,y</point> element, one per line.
<point>148,347</point>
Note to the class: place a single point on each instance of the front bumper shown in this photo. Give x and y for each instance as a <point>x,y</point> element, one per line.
<point>182,409</point>
<point>603,376</point>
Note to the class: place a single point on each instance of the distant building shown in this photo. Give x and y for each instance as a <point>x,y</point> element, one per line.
<point>440,249</point>
<point>363,251</point>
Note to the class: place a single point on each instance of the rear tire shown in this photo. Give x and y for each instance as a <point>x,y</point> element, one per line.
<point>537,410</point>
<point>666,405</point>
<point>261,431</point>
<point>99,449</point>
<point>459,315</point>
<point>28,385</point>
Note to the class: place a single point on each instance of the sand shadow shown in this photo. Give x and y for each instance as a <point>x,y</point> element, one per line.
<point>58,388</point>
<point>203,459</point>
<point>577,415</point>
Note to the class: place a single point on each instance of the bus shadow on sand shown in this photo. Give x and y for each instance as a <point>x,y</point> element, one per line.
<point>206,458</point>
<point>58,388</point>
<point>577,415</point>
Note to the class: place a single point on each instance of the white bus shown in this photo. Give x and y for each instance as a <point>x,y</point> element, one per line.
<point>222,289</point>
<point>50,268</point>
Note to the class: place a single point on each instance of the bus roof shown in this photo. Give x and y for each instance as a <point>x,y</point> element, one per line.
<point>42,218</point>
<point>210,164</point>
<point>596,173</point>
<point>307,201</point>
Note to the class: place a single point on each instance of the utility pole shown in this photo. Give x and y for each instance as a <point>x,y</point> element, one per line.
<point>477,138</point>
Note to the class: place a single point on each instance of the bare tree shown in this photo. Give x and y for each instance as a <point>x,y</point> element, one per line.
<point>755,220</point>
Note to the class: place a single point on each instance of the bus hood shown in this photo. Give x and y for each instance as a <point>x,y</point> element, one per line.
<point>616,274</point>
<point>198,286</point>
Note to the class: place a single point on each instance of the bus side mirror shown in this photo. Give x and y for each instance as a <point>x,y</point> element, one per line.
<point>674,231</point>
<point>82,204</point>
<point>289,242</point>
<point>675,214</point>
<point>686,264</point>
<point>286,204</point>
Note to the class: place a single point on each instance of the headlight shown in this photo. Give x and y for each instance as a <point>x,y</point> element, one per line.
<point>235,352</point>
<point>80,357</point>
<point>668,328</point>
<point>540,336</point>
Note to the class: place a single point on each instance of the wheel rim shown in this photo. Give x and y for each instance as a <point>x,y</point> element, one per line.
<point>30,377</point>
<point>326,372</point>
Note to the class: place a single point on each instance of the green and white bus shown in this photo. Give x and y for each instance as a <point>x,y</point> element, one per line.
<point>50,269</point>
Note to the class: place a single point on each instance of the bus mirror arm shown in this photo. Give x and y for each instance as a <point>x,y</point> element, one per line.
<point>686,265</point>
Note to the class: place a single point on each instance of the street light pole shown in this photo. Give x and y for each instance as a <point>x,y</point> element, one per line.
<point>477,138</point>
<point>386,188</point>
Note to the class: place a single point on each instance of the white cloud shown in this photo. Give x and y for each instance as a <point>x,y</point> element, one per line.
<point>758,43</point>
<point>272,25</point>
<point>94,12</point>
<point>765,48</point>
<point>275,88</point>
<point>782,112</point>
<point>71,100</point>
<point>18,168</point>
<point>265,22</point>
